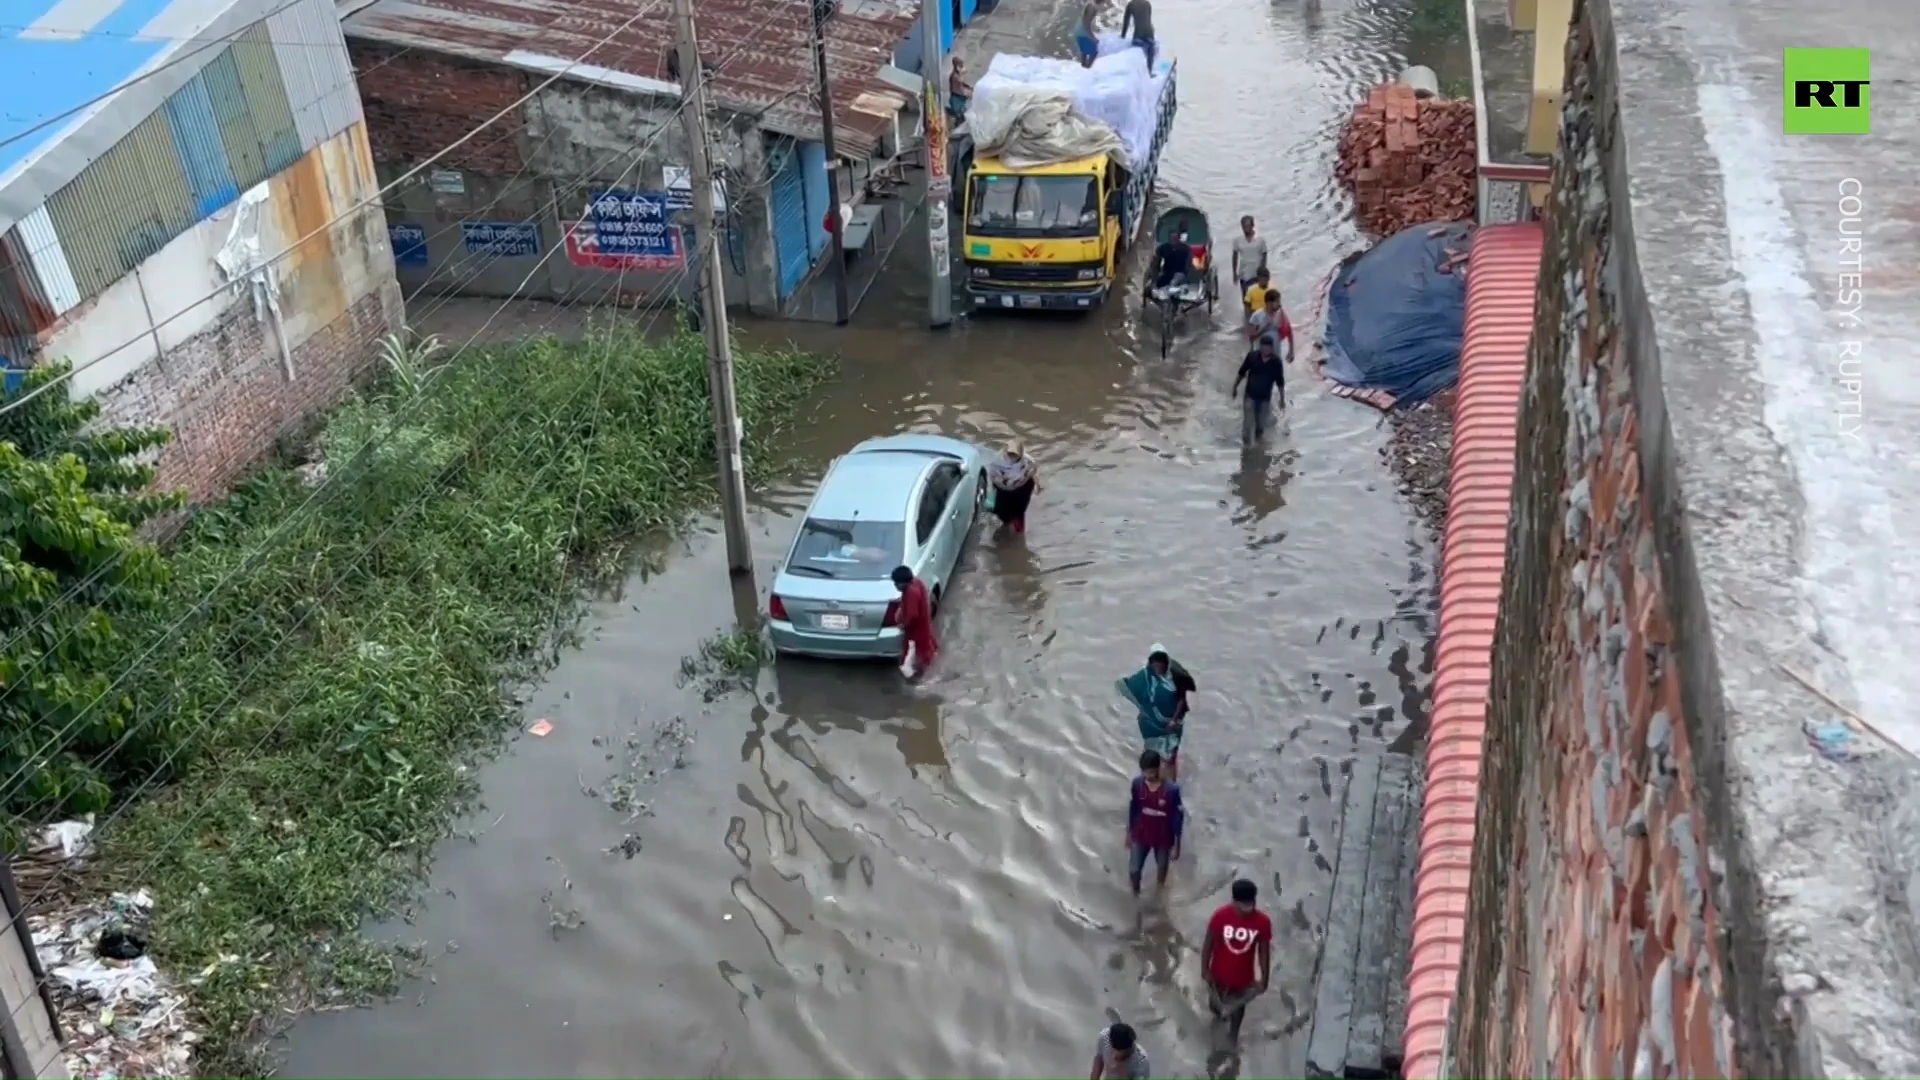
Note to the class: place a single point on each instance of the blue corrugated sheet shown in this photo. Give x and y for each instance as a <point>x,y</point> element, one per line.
<point>196,134</point>
<point>789,215</point>
<point>42,80</point>
<point>813,170</point>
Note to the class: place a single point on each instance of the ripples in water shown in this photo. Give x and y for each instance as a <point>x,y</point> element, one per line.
<point>849,876</point>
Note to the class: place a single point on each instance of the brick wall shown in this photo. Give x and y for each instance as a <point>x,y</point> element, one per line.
<point>418,103</point>
<point>227,396</point>
<point>1598,940</point>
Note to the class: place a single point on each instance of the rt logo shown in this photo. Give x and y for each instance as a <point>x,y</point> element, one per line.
<point>1827,92</point>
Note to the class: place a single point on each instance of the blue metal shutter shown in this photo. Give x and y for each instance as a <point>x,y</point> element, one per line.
<point>196,135</point>
<point>967,9</point>
<point>813,169</point>
<point>946,36</point>
<point>789,216</point>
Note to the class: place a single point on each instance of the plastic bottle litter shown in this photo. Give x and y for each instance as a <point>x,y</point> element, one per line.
<point>122,1017</point>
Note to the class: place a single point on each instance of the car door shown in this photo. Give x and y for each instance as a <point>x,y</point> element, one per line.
<point>960,511</point>
<point>930,532</point>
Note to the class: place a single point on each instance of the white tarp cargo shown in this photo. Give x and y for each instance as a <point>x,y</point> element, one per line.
<point>1032,110</point>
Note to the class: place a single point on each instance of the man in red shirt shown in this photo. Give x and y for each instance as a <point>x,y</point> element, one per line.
<point>1237,957</point>
<point>917,643</point>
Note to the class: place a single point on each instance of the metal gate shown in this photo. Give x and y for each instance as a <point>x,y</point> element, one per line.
<point>813,170</point>
<point>790,233</point>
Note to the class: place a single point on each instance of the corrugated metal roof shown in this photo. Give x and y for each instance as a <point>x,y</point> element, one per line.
<point>62,63</point>
<point>762,48</point>
<point>1501,278</point>
<point>57,55</point>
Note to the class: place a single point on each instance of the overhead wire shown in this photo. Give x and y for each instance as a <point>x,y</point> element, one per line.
<point>286,714</point>
<point>371,200</point>
<point>101,572</point>
<point>12,782</point>
<point>219,709</point>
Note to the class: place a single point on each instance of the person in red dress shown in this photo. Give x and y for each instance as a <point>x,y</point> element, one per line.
<point>918,646</point>
<point>1237,958</point>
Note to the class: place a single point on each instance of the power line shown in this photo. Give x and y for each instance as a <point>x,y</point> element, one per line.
<point>470,258</point>
<point>145,75</point>
<point>371,200</point>
<point>12,784</point>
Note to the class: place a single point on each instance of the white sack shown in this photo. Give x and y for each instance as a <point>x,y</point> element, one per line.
<point>1117,92</point>
<point>1026,125</point>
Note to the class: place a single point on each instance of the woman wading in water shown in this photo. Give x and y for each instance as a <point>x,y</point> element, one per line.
<point>1014,481</point>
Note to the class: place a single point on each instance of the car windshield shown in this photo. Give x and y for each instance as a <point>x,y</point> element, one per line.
<point>848,550</point>
<point>1034,206</point>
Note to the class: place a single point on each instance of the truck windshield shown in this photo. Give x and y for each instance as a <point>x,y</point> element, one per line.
<point>1033,206</point>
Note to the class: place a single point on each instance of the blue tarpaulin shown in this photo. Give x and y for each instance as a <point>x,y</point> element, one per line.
<point>1396,313</point>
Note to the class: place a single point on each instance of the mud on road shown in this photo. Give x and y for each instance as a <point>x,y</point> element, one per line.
<point>838,874</point>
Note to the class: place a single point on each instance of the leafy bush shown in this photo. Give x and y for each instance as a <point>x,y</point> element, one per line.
<point>355,638</point>
<point>72,498</point>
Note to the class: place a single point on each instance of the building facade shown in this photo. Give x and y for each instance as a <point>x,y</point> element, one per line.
<point>198,230</point>
<point>579,191</point>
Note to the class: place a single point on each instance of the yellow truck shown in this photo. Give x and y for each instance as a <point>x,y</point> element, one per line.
<point>1053,236</point>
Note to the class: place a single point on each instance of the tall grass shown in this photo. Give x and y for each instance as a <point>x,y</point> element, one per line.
<point>313,720</point>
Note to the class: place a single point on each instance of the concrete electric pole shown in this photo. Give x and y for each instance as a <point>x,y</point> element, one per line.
<point>726,410</point>
<point>933,69</point>
<point>842,307</point>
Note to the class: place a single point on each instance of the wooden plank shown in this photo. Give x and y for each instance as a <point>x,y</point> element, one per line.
<point>1393,1050</point>
<point>1373,966</point>
<point>1333,999</point>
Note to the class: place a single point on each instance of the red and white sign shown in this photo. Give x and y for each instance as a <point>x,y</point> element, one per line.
<point>583,250</point>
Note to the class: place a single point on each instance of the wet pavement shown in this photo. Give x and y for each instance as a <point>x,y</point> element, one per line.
<point>838,874</point>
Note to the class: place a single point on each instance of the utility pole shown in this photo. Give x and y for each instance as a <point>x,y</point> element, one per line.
<point>842,307</point>
<point>933,69</point>
<point>726,410</point>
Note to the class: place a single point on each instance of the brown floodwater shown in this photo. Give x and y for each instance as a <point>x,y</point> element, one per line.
<point>836,874</point>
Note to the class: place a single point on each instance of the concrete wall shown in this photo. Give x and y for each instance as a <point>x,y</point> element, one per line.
<point>29,1034</point>
<point>1667,879</point>
<point>540,163</point>
<point>173,344</point>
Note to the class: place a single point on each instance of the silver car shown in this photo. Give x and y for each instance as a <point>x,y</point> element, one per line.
<point>903,500</point>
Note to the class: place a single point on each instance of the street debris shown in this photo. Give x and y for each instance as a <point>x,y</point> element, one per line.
<point>540,729</point>
<point>123,1019</point>
<point>1419,453</point>
<point>1408,160</point>
<point>642,759</point>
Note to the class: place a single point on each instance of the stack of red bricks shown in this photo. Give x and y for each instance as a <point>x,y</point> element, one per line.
<point>1408,160</point>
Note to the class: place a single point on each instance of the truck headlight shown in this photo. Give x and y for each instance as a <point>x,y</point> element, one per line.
<point>1088,275</point>
<point>978,271</point>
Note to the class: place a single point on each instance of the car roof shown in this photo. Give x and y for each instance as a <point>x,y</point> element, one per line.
<point>871,485</point>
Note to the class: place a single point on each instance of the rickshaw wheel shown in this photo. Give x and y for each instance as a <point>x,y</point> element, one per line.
<point>1166,329</point>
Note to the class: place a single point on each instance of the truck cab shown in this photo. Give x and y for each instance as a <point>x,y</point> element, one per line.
<point>1044,236</point>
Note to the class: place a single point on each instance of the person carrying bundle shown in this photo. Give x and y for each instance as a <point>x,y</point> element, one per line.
<point>1161,692</point>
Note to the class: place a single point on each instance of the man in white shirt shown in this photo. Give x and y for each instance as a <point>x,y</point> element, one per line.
<point>1249,255</point>
<point>1118,1056</point>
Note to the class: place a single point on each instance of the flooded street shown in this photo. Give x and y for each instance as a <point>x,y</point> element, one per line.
<point>847,876</point>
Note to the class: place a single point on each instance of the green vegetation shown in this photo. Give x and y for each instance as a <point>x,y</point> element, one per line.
<point>344,646</point>
<point>71,560</point>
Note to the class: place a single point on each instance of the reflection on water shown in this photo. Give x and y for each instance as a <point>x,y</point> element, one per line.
<point>846,875</point>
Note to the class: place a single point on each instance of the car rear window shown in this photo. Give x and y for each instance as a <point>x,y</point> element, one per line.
<point>849,550</point>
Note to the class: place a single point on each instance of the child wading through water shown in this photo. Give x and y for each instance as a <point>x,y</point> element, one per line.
<point>1015,481</point>
<point>1155,820</point>
<point>1160,691</point>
